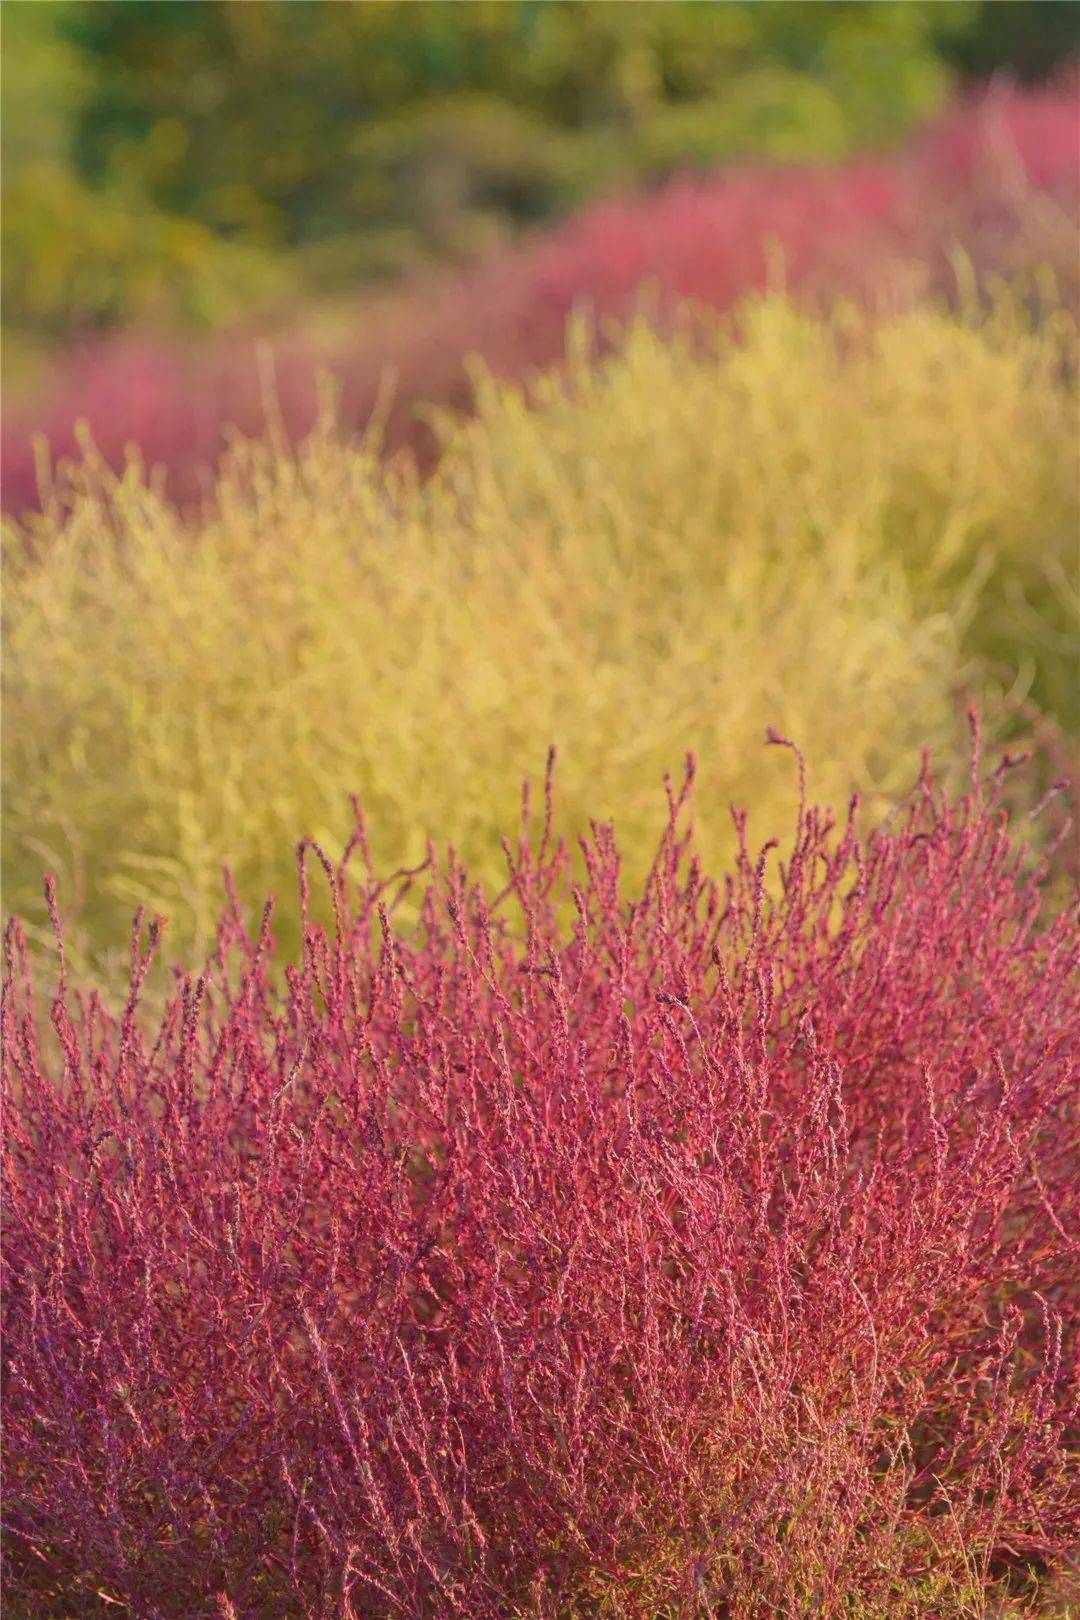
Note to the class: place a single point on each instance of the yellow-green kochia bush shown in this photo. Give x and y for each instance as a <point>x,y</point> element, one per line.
<point>825,527</point>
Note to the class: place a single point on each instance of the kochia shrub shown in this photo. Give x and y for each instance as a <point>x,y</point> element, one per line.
<point>826,526</point>
<point>708,1254</point>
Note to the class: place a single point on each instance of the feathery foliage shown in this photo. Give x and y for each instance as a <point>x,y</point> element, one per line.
<point>709,1254</point>
<point>832,527</point>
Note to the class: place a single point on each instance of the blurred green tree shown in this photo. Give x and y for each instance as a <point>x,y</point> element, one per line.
<point>1029,39</point>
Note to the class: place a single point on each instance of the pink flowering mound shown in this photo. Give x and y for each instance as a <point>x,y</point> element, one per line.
<point>562,1256</point>
<point>998,178</point>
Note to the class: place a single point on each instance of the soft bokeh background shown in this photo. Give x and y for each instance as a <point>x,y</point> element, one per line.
<point>182,165</point>
<point>376,187</point>
<point>355,233</point>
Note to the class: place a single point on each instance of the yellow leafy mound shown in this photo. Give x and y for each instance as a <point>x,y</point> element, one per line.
<point>827,527</point>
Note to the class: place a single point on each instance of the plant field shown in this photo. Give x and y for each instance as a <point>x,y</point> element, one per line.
<point>654,1193</point>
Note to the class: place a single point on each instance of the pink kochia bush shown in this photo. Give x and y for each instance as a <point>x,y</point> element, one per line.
<point>560,1255</point>
<point>997,180</point>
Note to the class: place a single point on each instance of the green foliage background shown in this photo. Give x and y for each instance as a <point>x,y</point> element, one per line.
<point>182,163</point>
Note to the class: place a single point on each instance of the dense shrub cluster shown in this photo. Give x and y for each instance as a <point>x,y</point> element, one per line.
<point>990,191</point>
<point>708,1254</point>
<point>832,527</point>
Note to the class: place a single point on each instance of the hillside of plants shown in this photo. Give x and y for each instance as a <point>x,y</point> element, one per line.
<point>984,195</point>
<point>541,740</point>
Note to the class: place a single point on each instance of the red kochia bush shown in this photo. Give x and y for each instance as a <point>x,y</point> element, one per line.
<point>565,1256</point>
